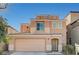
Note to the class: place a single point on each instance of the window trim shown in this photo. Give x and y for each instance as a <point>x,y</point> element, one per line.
<point>57,25</point>
<point>40,26</point>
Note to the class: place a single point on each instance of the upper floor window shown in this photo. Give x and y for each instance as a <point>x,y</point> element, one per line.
<point>40,26</point>
<point>57,25</point>
<point>60,25</point>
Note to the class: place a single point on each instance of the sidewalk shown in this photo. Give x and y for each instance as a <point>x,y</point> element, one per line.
<point>36,53</point>
<point>6,53</point>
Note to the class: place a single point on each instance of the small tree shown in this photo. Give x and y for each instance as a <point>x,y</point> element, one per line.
<point>3,32</point>
<point>3,27</point>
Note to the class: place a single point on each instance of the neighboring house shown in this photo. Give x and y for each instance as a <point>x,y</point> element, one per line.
<point>72,22</point>
<point>25,27</point>
<point>11,30</point>
<point>44,33</point>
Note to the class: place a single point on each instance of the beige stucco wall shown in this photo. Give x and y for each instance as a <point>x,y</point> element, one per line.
<point>47,39</point>
<point>68,19</point>
<point>74,17</point>
<point>11,30</point>
<point>71,17</point>
<point>11,44</point>
<point>48,26</point>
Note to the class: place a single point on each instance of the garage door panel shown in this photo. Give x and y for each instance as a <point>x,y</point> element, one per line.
<point>30,45</point>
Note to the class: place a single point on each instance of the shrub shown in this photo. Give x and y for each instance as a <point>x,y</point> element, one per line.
<point>69,49</point>
<point>1,47</point>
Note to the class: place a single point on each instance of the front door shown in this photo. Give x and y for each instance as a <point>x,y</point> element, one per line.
<point>55,44</point>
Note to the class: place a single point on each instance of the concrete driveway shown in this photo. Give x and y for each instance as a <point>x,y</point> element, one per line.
<point>35,53</point>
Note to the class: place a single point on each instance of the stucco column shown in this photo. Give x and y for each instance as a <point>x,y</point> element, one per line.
<point>11,45</point>
<point>60,45</point>
<point>60,48</point>
<point>48,44</point>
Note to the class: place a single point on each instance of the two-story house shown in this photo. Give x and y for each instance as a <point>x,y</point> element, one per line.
<point>72,23</point>
<point>43,33</point>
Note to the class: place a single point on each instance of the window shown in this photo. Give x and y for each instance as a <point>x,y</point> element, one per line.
<point>60,25</point>
<point>40,26</point>
<point>57,25</point>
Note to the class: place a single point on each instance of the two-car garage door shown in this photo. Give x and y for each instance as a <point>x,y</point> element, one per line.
<point>30,45</point>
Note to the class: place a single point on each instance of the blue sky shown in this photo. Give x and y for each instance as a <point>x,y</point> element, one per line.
<point>22,13</point>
